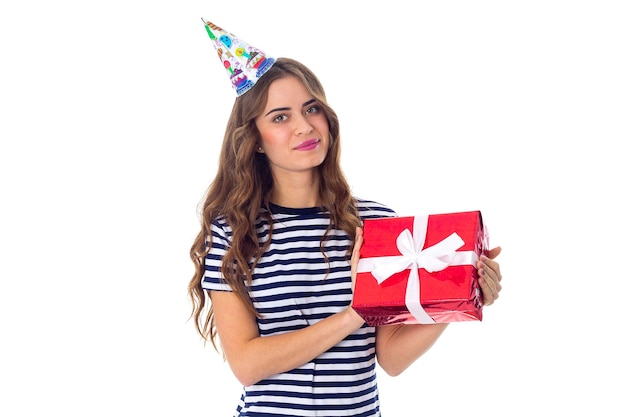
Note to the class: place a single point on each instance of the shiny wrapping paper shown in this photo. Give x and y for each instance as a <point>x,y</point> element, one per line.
<point>420,269</point>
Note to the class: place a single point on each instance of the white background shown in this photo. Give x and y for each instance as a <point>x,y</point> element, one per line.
<point>111,118</point>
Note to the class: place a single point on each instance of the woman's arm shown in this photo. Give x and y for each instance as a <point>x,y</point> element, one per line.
<point>398,346</point>
<point>253,358</point>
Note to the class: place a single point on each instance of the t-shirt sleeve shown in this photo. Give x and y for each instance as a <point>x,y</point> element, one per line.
<point>213,278</point>
<point>369,209</point>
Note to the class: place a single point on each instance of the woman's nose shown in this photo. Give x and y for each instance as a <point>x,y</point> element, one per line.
<point>303,127</point>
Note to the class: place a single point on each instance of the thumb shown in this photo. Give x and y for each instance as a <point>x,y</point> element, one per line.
<point>493,253</point>
<point>356,253</point>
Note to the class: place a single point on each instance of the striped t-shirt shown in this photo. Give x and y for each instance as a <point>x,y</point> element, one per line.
<point>293,287</point>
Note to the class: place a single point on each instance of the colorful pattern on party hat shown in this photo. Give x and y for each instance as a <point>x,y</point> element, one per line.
<point>245,64</point>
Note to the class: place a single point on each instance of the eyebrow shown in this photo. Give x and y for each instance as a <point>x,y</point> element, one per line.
<point>289,108</point>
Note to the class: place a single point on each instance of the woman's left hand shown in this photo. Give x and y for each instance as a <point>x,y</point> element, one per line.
<point>489,276</point>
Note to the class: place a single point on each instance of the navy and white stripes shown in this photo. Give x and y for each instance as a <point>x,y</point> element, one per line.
<point>293,287</point>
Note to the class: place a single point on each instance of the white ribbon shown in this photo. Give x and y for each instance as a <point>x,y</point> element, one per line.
<point>435,258</point>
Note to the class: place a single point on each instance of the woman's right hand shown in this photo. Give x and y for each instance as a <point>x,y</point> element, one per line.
<point>356,253</point>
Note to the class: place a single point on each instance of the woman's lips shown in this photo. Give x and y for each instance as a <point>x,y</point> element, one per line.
<point>308,145</point>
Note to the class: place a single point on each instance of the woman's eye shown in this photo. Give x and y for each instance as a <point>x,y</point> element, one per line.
<point>313,110</point>
<point>279,118</point>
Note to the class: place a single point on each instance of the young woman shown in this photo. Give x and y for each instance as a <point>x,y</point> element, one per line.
<point>276,258</point>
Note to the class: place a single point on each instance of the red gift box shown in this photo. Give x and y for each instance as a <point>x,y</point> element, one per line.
<point>420,269</point>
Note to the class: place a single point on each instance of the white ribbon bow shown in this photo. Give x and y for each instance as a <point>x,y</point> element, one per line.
<point>414,256</point>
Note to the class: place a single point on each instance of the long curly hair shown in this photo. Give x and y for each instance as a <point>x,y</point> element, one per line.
<point>242,187</point>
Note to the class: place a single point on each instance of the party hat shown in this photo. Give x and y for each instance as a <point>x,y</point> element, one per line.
<point>245,64</point>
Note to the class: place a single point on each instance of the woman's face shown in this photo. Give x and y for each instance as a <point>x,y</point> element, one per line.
<point>293,128</point>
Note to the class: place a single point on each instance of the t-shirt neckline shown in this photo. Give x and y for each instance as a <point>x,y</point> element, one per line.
<point>276,209</point>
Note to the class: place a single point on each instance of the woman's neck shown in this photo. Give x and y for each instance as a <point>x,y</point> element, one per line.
<point>296,191</point>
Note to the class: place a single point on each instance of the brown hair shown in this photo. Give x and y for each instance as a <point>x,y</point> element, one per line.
<point>243,184</point>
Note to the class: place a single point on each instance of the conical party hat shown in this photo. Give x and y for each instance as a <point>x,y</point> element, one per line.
<point>245,64</point>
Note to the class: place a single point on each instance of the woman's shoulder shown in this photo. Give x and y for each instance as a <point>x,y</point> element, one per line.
<point>369,209</point>
<point>221,228</point>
